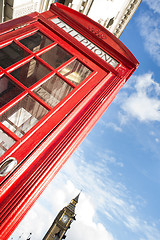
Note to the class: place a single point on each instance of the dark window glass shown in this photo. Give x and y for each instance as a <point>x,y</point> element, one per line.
<point>11,54</point>
<point>76,72</point>
<point>56,56</point>
<point>8,90</point>
<point>5,142</point>
<point>36,41</point>
<point>53,90</point>
<point>23,116</point>
<point>30,72</point>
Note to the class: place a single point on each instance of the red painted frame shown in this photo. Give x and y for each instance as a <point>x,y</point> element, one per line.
<point>44,149</point>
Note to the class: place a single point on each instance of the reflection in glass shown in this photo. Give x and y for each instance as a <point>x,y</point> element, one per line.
<point>5,142</point>
<point>30,72</point>
<point>23,116</point>
<point>11,54</point>
<point>56,56</point>
<point>36,41</point>
<point>8,90</point>
<point>53,90</point>
<point>76,72</point>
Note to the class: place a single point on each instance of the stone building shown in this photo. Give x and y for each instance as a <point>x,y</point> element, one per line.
<point>112,14</point>
<point>10,9</point>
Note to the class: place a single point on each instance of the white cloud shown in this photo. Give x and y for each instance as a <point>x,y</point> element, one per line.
<point>153,4</point>
<point>143,103</point>
<point>110,125</point>
<point>85,226</point>
<point>132,223</point>
<point>58,194</point>
<point>108,157</point>
<point>101,195</point>
<point>41,216</point>
<point>148,24</point>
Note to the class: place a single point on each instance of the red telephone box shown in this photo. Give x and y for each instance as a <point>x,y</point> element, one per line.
<point>59,71</point>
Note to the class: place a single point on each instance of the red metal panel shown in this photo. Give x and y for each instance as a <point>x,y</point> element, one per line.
<point>44,149</point>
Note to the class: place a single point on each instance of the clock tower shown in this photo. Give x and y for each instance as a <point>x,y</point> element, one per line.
<point>62,222</point>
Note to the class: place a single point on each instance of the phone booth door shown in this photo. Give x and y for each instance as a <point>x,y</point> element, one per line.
<point>39,75</point>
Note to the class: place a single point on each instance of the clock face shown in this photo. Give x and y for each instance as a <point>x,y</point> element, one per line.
<point>65,219</point>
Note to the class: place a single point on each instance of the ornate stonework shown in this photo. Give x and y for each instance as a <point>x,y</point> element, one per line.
<point>115,17</point>
<point>62,222</point>
<point>10,9</point>
<point>126,17</point>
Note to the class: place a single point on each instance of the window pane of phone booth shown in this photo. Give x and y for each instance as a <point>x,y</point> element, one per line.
<point>8,90</point>
<point>36,41</point>
<point>76,72</point>
<point>5,142</point>
<point>30,72</point>
<point>56,56</point>
<point>11,54</point>
<point>23,116</point>
<point>53,90</point>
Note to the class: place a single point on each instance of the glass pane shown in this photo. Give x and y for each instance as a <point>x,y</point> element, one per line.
<point>76,72</point>
<point>36,41</point>
<point>11,54</point>
<point>5,142</point>
<point>53,90</point>
<point>23,116</point>
<point>30,72</point>
<point>56,56</point>
<point>8,90</point>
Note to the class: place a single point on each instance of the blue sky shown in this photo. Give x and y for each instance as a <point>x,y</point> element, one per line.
<point>117,166</point>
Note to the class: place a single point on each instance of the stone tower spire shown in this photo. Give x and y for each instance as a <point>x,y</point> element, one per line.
<point>62,222</point>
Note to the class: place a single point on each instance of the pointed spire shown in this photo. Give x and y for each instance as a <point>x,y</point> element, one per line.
<point>76,198</point>
<point>71,206</point>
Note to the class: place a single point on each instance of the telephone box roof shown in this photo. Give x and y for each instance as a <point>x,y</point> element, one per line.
<point>99,32</point>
